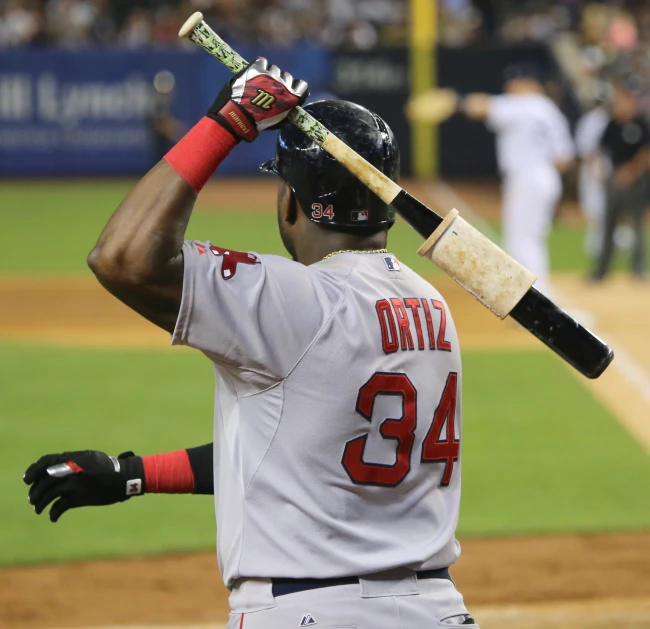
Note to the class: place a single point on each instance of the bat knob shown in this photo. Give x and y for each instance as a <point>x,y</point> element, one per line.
<point>190,24</point>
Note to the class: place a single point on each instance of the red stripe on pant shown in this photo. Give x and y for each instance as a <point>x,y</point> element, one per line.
<point>241,622</point>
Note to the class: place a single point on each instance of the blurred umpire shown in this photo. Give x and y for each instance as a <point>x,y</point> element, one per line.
<point>626,140</point>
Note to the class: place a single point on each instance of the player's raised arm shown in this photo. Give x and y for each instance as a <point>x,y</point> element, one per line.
<point>475,106</point>
<point>138,255</point>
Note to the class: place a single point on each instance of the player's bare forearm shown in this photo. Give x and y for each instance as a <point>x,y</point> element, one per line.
<point>629,172</point>
<point>641,162</point>
<point>564,166</point>
<point>475,106</point>
<point>138,255</point>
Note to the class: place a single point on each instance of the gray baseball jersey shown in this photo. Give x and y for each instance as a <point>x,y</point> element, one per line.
<point>337,412</point>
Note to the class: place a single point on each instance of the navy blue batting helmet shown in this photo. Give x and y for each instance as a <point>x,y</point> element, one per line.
<point>328,193</point>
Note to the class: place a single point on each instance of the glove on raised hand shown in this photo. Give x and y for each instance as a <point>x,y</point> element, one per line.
<point>257,98</point>
<point>81,479</point>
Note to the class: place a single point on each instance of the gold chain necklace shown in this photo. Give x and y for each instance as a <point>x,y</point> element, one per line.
<point>335,253</point>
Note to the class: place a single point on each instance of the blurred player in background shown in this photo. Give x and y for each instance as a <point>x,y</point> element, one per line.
<point>534,147</point>
<point>626,141</point>
<point>592,174</point>
<point>165,128</point>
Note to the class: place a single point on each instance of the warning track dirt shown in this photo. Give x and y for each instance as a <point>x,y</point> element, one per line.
<point>559,582</point>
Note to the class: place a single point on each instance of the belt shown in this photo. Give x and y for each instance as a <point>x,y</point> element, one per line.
<point>282,587</point>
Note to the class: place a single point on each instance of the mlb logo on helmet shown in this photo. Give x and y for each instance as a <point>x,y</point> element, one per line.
<point>359,215</point>
<point>391,263</point>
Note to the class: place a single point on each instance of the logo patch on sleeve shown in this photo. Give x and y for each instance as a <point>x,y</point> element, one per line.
<point>231,259</point>
<point>391,263</point>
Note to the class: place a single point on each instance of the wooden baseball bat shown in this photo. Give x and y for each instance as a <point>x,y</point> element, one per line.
<point>495,279</point>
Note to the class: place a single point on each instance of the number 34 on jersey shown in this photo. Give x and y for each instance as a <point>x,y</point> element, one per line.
<point>440,444</point>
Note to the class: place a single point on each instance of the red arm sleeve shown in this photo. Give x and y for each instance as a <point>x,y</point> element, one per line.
<point>180,472</point>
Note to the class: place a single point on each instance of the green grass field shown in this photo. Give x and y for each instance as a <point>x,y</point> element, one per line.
<point>540,454</point>
<point>49,227</point>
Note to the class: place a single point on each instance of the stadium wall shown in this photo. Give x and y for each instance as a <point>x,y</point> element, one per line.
<point>90,112</point>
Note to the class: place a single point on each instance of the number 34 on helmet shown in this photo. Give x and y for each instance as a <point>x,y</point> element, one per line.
<point>328,193</point>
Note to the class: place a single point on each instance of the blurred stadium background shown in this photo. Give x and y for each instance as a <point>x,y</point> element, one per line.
<point>555,521</point>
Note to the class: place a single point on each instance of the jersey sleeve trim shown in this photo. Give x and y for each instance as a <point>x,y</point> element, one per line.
<point>181,331</point>
<point>179,336</point>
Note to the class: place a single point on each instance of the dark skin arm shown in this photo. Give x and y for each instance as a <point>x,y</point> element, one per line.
<point>138,255</point>
<point>626,174</point>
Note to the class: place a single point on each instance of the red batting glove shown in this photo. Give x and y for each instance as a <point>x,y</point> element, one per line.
<point>258,98</point>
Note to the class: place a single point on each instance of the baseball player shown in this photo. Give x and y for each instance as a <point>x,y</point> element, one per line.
<point>336,459</point>
<point>534,146</point>
<point>626,142</point>
<point>592,174</point>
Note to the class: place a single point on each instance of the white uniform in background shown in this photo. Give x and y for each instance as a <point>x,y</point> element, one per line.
<point>591,175</point>
<point>532,135</point>
<point>337,436</point>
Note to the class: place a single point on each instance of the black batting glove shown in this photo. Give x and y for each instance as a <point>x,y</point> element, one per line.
<point>82,479</point>
<point>258,98</point>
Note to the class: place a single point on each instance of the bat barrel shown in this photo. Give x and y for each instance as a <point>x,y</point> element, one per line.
<point>564,335</point>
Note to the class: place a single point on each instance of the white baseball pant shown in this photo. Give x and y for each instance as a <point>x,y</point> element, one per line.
<point>392,601</point>
<point>529,201</point>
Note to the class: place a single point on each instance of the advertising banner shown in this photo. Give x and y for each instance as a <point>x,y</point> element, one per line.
<point>94,113</point>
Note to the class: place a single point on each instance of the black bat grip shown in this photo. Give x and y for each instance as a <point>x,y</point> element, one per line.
<point>564,335</point>
<point>421,218</point>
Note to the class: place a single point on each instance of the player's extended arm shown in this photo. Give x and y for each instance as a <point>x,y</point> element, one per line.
<point>475,106</point>
<point>91,478</point>
<point>436,105</point>
<point>626,174</point>
<point>563,166</point>
<point>138,255</point>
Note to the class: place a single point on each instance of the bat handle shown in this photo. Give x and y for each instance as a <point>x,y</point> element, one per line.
<point>196,30</point>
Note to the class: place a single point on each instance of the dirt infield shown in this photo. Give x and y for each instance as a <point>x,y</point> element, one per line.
<point>529,583</point>
<point>575,582</point>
